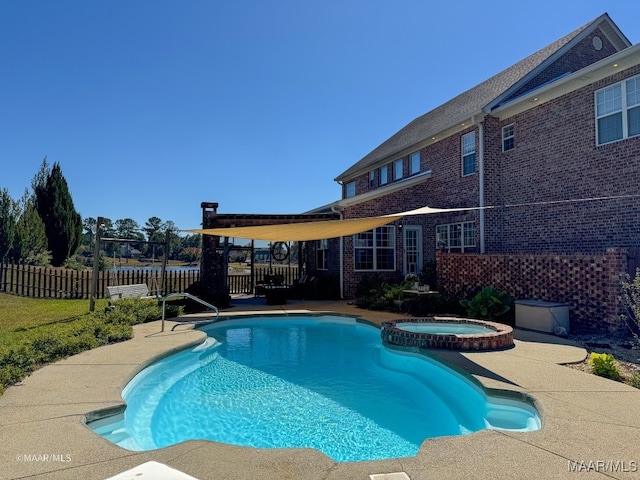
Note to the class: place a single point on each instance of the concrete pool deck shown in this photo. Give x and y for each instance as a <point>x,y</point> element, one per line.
<point>591,425</point>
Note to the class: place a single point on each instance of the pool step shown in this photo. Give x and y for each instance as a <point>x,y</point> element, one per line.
<point>390,476</point>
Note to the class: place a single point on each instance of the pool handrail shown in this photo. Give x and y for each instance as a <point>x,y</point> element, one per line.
<point>192,297</point>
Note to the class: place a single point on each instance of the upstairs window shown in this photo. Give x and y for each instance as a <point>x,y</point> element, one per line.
<point>372,179</point>
<point>397,170</point>
<point>383,175</point>
<point>414,163</point>
<point>469,153</point>
<point>350,190</point>
<point>508,138</point>
<point>618,111</point>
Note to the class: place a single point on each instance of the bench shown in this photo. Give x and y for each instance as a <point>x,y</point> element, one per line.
<point>138,290</point>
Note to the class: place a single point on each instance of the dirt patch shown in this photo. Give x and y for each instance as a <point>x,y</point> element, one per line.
<point>626,351</point>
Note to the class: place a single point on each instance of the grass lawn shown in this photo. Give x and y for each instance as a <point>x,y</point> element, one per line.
<point>24,312</point>
<point>34,331</point>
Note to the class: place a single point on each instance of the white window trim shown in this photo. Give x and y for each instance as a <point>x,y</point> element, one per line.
<point>322,245</point>
<point>405,230</point>
<point>466,154</point>
<point>397,163</point>
<point>372,179</point>
<point>461,248</point>
<point>623,110</point>
<point>381,191</point>
<point>350,189</point>
<point>411,163</point>
<point>374,248</point>
<point>513,135</point>
<point>381,177</point>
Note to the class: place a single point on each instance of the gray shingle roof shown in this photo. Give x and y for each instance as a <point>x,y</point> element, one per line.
<point>464,106</point>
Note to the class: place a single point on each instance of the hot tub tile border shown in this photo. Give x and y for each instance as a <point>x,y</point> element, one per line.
<point>501,339</point>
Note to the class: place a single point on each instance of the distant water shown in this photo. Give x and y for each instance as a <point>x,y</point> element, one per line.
<point>158,268</point>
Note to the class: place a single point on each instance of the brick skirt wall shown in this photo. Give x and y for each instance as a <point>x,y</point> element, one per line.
<point>589,283</point>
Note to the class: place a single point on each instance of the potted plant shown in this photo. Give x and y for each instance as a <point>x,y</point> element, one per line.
<point>413,280</point>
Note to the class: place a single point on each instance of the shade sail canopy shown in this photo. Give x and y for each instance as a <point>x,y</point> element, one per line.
<point>304,231</point>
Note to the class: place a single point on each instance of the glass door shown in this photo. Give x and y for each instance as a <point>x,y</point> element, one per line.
<point>412,251</point>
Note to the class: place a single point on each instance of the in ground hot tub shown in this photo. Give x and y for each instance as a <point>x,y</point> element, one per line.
<point>450,333</point>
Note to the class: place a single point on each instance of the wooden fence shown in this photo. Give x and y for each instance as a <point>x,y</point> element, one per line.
<point>50,282</point>
<point>245,284</point>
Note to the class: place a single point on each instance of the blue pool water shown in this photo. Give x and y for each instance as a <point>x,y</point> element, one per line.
<point>444,328</point>
<point>322,382</point>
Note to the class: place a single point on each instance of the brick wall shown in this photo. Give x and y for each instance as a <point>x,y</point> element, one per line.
<point>578,57</point>
<point>590,284</point>
<point>556,158</point>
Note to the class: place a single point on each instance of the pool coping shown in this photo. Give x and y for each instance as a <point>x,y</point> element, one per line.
<point>44,435</point>
<point>500,337</point>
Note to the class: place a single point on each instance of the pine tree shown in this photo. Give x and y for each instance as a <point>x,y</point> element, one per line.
<point>30,245</point>
<point>63,225</point>
<point>8,221</point>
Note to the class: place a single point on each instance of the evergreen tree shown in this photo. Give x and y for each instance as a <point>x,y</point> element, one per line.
<point>63,225</point>
<point>174,239</point>
<point>109,231</point>
<point>8,221</point>
<point>30,244</point>
<point>128,228</point>
<point>89,229</point>
<point>152,228</point>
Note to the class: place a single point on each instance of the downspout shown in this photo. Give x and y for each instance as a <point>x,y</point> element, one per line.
<point>480,180</point>
<point>341,249</point>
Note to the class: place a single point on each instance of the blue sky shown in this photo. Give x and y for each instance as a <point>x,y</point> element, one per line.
<point>152,107</point>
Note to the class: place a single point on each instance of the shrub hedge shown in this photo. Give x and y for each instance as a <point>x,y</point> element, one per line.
<point>24,350</point>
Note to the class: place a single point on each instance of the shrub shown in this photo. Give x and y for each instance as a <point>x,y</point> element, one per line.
<point>172,311</point>
<point>437,303</point>
<point>25,349</point>
<point>489,304</point>
<point>135,310</point>
<point>604,365</point>
<point>631,298</point>
<point>376,292</point>
<point>634,381</point>
<point>428,275</point>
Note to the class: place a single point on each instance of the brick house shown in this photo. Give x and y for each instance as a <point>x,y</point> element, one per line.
<point>552,143</point>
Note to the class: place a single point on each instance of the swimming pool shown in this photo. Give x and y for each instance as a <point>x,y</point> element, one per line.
<point>323,382</point>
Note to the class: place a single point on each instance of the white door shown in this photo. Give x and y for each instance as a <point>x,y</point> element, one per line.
<point>412,251</point>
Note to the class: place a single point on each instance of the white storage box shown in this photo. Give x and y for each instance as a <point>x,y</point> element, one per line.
<point>546,317</point>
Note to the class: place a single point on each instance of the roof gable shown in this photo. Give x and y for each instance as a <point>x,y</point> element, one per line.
<point>534,71</point>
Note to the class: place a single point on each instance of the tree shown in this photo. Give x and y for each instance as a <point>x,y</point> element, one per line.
<point>194,240</point>
<point>156,231</point>
<point>63,225</point>
<point>174,239</point>
<point>8,222</point>
<point>108,228</point>
<point>89,231</point>
<point>109,231</point>
<point>152,228</point>
<point>129,229</point>
<point>30,243</point>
